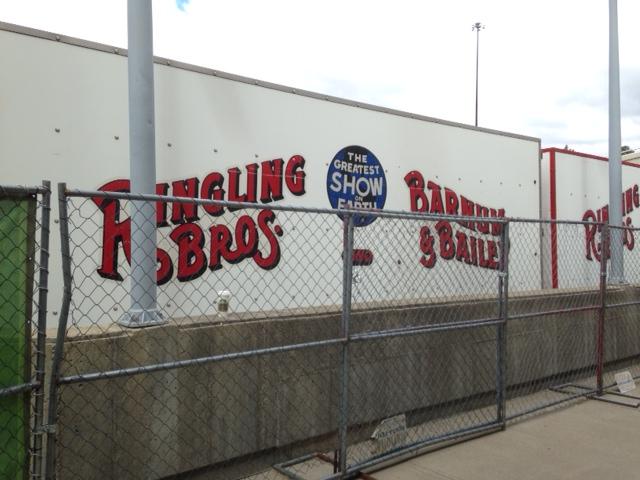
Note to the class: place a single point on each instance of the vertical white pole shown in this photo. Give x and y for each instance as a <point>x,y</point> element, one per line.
<point>615,164</point>
<point>144,307</point>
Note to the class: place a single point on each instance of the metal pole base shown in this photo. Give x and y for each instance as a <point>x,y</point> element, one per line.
<point>142,318</point>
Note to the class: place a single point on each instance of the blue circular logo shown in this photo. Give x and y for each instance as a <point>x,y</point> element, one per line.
<point>356,180</point>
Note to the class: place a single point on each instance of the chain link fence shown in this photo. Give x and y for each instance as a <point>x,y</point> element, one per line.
<point>24,258</point>
<point>425,316</point>
<point>552,351</point>
<point>240,373</point>
<point>298,343</point>
<point>621,349</point>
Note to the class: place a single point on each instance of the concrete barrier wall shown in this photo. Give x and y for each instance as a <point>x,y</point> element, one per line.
<point>198,417</point>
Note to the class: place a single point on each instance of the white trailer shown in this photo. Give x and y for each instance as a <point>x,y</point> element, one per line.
<point>574,187</point>
<point>63,114</point>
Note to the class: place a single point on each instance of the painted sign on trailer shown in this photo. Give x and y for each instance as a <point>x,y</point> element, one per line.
<point>64,111</point>
<point>574,187</point>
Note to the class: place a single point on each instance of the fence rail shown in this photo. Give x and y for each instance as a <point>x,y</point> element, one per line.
<point>295,341</point>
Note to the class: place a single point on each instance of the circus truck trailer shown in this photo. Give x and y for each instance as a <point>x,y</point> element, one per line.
<point>64,117</point>
<point>574,188</point>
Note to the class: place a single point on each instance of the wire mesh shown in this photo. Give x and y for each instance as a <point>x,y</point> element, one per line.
<point>241,378</point>
<point>409,390</point>
<point>552,331</point>
<point>431,373</point>
<point>289,342</point>
<point>621,332</point>
<point>23,230</point>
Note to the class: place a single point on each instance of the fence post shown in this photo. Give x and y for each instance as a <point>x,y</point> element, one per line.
<point>347,264</point>
<point>501,347</point>
<point>62,328</point>
<point>43,290</point>
<point>604,254</point>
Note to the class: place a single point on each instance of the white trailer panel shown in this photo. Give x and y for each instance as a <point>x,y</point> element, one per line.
<point>575,187</point>
<point>63,114</point>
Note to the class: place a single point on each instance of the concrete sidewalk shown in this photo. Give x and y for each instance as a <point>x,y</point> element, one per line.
<point>590,440</point>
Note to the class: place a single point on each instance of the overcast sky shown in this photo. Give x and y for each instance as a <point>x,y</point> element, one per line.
<point>543,63</point>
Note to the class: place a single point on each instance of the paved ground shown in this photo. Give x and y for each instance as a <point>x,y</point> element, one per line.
<point>590,440</point>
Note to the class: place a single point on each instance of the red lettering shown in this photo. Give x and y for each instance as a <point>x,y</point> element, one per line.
<point>451,201</point>
<point>265,218</point>
<point>115,233</point>
<point>445,233</point>
<point>234,188</point>
<point>192,262</point>
<point>418,199</point>
<point>483,227</point>
<point>492,255</point>
<point>246,237</point>
<point>165,267</point>
<point>426,246</point>
<point>474,250</point>
<point>252,182</point>
<point>362,257</point>
<point>271,181</point>
<point>120,185</point>
<point>295,175</point>
<point>212,189</point>
<point>603,214</point>
<point>436,198</point>
<point>628,239</point>
<point>496,228</point>
<point>590,235</point>
<point>627,201</point>
<point>184,212</point>
<point>482,261</point>
<point>220,245</point>
<point>462,248</point>
<point>467,209</point>
<point>161,207</point>
<point>189,237</point>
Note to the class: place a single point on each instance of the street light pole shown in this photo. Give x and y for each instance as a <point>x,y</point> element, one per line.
<point>477,27</point>
<point>142,158</point>
<point>615,165</point>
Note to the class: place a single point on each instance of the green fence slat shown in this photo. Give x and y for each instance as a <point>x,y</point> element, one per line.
<point>16,237</point>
